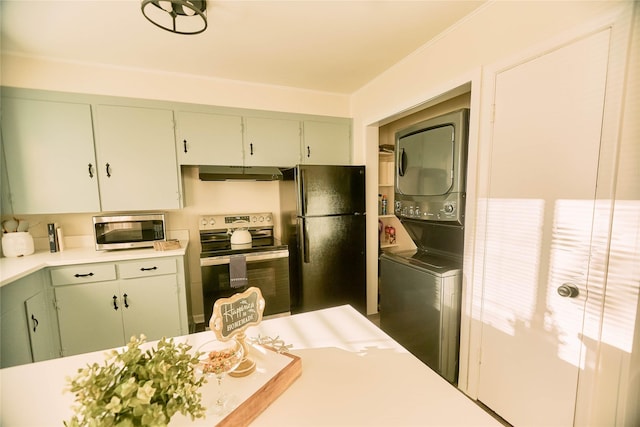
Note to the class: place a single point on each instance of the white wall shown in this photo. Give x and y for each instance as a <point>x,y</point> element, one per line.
<point>497,31</point>
<point>46,74</point>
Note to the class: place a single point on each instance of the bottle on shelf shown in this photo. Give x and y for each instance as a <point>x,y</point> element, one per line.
<point>383,208</point>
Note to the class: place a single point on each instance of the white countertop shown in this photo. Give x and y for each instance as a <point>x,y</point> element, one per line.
<point>353,374</point>
<point>14,268</point>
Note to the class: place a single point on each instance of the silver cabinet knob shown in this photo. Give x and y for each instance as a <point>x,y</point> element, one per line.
<point>567,290</point>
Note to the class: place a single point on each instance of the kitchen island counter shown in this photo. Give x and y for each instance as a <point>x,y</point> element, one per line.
<point>353,374</point>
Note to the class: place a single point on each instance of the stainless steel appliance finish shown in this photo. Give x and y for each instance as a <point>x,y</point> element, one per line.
<point>420,291</point>
<point>128,231</point>
<point>420,307</point>
<point>323,215</point>
<point>265,259</point>
<point>239,173</point>
<point>431,158</point>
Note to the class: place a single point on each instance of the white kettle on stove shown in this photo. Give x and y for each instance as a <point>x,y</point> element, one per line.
<point>240,235</point>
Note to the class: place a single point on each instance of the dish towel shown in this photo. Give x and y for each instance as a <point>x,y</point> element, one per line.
<point>238,271</point>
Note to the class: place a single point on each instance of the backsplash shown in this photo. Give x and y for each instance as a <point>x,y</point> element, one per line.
<point>200,198</point>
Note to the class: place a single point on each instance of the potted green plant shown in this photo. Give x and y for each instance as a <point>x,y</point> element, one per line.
<point>136,387</point>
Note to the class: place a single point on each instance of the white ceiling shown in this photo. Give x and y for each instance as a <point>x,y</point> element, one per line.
<point>333,46</point>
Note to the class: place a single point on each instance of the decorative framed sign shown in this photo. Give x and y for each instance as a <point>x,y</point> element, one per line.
<point>232,316</point>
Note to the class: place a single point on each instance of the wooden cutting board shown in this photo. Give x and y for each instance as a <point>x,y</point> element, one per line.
<point>250,408</point>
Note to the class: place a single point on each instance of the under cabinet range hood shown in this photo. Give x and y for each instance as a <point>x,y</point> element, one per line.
<point>239,173</point>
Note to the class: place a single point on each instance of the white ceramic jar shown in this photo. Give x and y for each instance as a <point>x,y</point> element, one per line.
<point>17,244</point>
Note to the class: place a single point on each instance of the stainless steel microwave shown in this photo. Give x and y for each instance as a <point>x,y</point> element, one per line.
<point>128,231</point>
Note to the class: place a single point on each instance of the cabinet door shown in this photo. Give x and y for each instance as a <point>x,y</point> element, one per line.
<point>5,202</point>
<point>326,143</point>
<point>40,331</point>
<point>90,317</point>
<point>15,348</point>
<point>271,142</point>
<point>209,139</point>
<point>137,158</point>
<point>150,307</point>
<point>19,301</point>
<point>50,156</point>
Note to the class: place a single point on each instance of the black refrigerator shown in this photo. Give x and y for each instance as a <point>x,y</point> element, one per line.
<point>323,223</point>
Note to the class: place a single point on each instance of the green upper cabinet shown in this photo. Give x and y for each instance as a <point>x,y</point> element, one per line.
<point>326,143</point>
<point>136,156</point>
<point>74,153</point>
<point>209,139</point>
<point>5,201</point>
<point>50,159</point>
<point>271,142</point>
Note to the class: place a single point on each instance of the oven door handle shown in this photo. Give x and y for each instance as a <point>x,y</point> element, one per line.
<point>260,256</point>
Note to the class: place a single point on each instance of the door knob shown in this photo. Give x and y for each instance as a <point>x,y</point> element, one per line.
<point>567,290</point>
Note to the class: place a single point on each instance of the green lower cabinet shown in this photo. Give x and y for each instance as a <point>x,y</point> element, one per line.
<point>89,317</point>
<point>145,297</point>
<point>27,323</point>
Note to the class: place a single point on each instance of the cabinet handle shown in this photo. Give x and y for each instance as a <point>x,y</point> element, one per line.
<point>251,148</point>
<point>308,151</point>
<point>35,322</point>
<point>115,302</point>
<point>148,268</point>
<point>185,145</point>
<point>108,169</point>
<point>83,275</point>
<point>126,304</point>
<point>90,170</point>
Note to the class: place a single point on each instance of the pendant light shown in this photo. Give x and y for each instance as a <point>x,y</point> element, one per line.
<point>177,16</point>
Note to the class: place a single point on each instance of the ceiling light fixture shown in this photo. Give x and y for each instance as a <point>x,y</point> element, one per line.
<point>177,16</point>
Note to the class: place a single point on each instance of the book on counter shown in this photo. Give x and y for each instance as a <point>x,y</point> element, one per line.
<point>52,232</point>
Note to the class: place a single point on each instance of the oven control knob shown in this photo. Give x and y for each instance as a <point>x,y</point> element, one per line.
<point>261,219</point>
<point>268,218</point>
<point>449,208</point>
<point>212,222</point>
<point>417,211</point>
<point>203,222</point>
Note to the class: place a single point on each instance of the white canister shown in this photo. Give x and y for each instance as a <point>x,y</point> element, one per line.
<point>17,244</point>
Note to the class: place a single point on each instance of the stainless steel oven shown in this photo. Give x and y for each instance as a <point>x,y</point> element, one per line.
<point>229,268</point>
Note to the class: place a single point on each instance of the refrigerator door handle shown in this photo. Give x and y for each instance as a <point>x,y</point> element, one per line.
<point>304,240</point>
<point>303,193</point>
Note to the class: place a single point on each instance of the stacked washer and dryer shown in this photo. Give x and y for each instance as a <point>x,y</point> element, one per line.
<point>420,290</point>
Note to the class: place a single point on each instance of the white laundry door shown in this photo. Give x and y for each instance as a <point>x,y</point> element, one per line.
<point>540,205</point>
